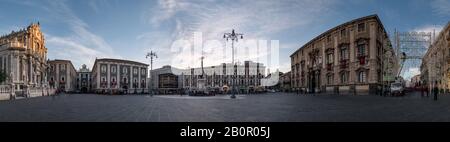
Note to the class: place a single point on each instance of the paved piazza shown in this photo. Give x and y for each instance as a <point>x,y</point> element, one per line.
<point>278,107</point>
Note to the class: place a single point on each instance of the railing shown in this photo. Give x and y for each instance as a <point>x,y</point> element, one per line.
<point>7,93</point>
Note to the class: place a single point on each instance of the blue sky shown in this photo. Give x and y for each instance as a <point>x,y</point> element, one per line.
<point>81,30</point>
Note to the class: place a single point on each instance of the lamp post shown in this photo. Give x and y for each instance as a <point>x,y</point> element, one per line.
<point>233,37</point>
<point>151,55</point>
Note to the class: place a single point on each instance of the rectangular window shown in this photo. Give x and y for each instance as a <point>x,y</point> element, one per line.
<point>361,49</point>
<point>361,27</point>
<point>330,79</point>
<point>329,58</point>
<point>344,77</point>
<point>103,69</point>
<point>362,77</point>
<point>344,53</point>
<point>113,69</point>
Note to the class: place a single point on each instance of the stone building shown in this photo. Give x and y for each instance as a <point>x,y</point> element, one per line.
<point>415,81</point>
<point>166,80</point>
<point>248,77</point>
<point>285,82</point>
<point>23,58</point>
<point>345,59</point>
<point>62,75</point>
<point>117,75</point>
<point>435,68</point>
<point>84,80</point>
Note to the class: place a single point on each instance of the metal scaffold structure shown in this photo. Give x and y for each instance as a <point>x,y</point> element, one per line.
<point>413,45</point>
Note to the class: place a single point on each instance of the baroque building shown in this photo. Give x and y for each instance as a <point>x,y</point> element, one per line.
<point>247,77</point>
<point>345,59</point>
<point>244,78</point>
<point>23,58</point>
<point>435,68</point>
<point>116,75</point>
<point>84,80</point>
<point>62,75</point>
<point>285,82</point>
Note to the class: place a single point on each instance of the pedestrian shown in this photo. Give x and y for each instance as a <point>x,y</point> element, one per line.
<point>435,92</point>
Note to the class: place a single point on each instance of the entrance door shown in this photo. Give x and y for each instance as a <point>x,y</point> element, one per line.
<point>312,82</point>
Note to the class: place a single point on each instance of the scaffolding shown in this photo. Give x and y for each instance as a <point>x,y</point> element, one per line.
<point>414,45</point>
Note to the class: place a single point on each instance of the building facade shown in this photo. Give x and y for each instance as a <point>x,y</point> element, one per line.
<point>345,59</point>
<point>84,80</point>
<point>285,82</point>
<point>166,80</point>
<point>247,77</point>
<point>119,76</point>
<point>415,81</point>
<point>244,77</point>
<point>62,75</point>
<point>23,58</point>
<point>435,68</point>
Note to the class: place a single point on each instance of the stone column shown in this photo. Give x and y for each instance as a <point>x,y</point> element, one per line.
<point>372,74</point>
<point>352,74</point>
<point>336,52</point>
<point>98,76</point>
<point>118,79</point>
<point>56,75</point>
<point>131,77</point>
<point>108,75</point>
<point>139,77</point>
<point>30,67</point>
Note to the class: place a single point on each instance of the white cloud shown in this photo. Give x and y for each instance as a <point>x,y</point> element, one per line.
<point>410,73</point>
<point>441,7</point>
<point>88,44</point>
<point>429,28</point>
<point>433,29</point>
<point>67,48</point>
<point>256,19</point>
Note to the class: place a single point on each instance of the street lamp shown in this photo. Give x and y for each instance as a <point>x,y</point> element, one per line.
<point>151,55</point>
<point>234,37</point>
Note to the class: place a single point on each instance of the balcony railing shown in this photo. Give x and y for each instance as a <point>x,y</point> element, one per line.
<point>344,63</point>
<point>362,59</point>
<point>329,66</point>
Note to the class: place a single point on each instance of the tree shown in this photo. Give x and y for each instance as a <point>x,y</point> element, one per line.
<point>3,76</point>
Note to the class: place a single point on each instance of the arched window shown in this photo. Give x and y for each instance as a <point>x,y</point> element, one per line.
<point>343,52</point>
<point>330,79</point>
<point>124,70</point>
<point>361,49</point>
<point>113,69</point>
<point>344,77</point>
<point>103,69</point>
<point>362,77</point>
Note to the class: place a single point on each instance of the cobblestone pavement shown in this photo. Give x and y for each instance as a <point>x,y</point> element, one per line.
<point>278,107</point>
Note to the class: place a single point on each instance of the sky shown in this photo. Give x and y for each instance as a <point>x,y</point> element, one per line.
<point>82,30</point>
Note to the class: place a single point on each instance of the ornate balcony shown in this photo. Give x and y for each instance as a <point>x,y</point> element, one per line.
<point>362,59</point>
<point>344,63</point>
<point>329,66</point>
